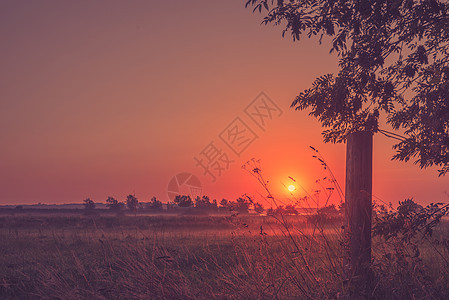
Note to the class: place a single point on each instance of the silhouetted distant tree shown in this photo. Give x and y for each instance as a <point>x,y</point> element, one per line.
<point>202,202</point>
<point>290,209</point>
<point>224,204</point>
<point>155,204</point>
<point>325,214</point>
<point>270,211</point>
<point>242,205</point>
<point>89,205</point>
<point>132,202</point>
<point>258,208</point>
<point>171,205</point>
<point>329,210</point>
<point>183,201</point>
<point>284,210</point>
<point>114,205</point>
<point>205,203</point>
<point>279,210</point>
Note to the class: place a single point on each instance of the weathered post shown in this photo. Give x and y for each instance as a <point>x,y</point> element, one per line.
<point>358,209</point>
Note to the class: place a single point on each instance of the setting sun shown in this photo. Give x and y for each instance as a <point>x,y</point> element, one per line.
<point>291,188</point>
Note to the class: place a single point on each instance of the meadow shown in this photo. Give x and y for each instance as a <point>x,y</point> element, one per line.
<point>205,257</point>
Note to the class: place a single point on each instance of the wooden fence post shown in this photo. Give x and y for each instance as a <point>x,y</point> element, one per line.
<point>358,209</point>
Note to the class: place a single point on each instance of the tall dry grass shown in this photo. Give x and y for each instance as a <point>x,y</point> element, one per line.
<point>277,256</point>
<point>235,261</point>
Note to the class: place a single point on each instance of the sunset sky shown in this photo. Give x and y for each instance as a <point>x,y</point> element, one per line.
<point>110,98</point>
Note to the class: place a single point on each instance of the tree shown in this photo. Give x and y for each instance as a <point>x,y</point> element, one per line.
<point>89,205</point>
<point>329,210</point>
<point>283,210</point>
<point>242,205</point>
<point>290,210</point>
<point>224,203</point>
<point>155,204</point>
<point>171,205</point>
<point>386,48</point>
<point>132,202</point>
<point>114,205</point>
<point>394,58</point>
<point>205,203</point>
<point>183,201</point>
<point>325,214</point>
<point>279,210</point>
<point>258,208</point>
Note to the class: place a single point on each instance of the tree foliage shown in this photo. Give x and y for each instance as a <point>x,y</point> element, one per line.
<point>155,204</point>
<point>393,60</point>
<point>89,204</point>
<point>241,205</point>
<point>205,203</point>
<point>408,220</point>
<point>258,208</point>
<point>132,202</point>
<point>183,201</point>
<point>114,204</point>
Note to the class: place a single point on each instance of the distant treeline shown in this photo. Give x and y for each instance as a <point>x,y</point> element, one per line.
<point>181,204</point>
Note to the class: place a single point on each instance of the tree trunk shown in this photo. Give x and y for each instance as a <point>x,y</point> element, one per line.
<point>358,210</point>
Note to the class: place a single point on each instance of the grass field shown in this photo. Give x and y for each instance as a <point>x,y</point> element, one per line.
<point>201,257</point>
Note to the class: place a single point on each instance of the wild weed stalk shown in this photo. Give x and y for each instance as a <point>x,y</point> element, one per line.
<point>278,256</point>
<point>405,256</point>
<point>314,274</point>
